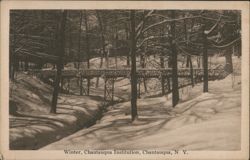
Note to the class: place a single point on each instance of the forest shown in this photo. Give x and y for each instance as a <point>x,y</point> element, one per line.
<point>87,53</point>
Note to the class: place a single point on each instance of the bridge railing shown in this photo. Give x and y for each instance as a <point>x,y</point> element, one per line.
<point>141,73</point>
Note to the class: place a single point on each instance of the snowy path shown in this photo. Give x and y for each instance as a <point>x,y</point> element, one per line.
<point>209,121</point>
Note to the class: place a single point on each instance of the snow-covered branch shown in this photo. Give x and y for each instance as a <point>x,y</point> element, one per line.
<point>144,18</point>
<point>32,36</point>
<point>159,44</point>
<point>38,55</point>
<point>140,26</point>
<point>214,19</point>
<point>150,38</point>
<point>167,21</point>
<point>18,49</point>
<point>225,45</point>
<point>207,32</point>
<point>213,27</point>
<point>159,15</point>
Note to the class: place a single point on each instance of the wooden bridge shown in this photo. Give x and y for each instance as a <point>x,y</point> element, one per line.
<point>110,75</point>
<point>125,73</point>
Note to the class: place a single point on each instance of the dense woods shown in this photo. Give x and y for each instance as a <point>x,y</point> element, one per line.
<point>58,37</point>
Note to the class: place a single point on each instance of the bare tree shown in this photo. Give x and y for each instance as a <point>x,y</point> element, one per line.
<point>133,67</point>
<point>205,60</point>
<point>103,43</point>
<point>79,41</point>
<point>60,51</point>
<point>175,91</point>
<point>87,47</point>
<point>189,58</point>
<point>127,39</point>
<point>229,61</point>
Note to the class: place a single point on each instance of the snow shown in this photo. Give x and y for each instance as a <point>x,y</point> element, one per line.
<point>33,126</point>
<point>201,121</point>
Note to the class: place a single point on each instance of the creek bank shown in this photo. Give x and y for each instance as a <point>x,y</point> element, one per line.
<point>31,124</point>
<point>162,127</point>
<point>37,130</point>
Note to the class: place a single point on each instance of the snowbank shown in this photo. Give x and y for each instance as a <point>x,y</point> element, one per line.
<point>201,121</point>
<point>32,126</point>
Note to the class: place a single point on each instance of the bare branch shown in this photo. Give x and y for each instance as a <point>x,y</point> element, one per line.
<point>185,52</point>
<point>145,17</point>
<point>140,26</point>
<point>213,27</point>
<point>150,38</point>
<point>167,21</point>
<point>32,36</point>
<point>213,19</point>
<point>159,15</point>
<point>225,45</point>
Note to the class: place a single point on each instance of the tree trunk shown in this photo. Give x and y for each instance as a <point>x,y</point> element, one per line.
<point>60,53</point>
<point>79,41</point>
<point>162,62</point>
<point>12,68</point>
<point>87,48</point>
<point>11,74</point>
<point>162,78</point>
<point>116,43</point>
<point>170,61</point>
<point>103,38</point>
<point>103,45</point>
<point>189,58</point>
<point>229,61</point>
<point>175,91</point>
<point>186,38</point>
<point>81,89</point>
<point>142,59</point>
<point>127,38</point>
<point>239,49</point>
<point>198,62</point>
<point>188,61</point>
<point>128,60</point>
<point>97,79</point>
<point>205,61</point>
<point>16,64</point>
<point>133,68</point>
<point>26,65</point>
<point>191,72</point>
<point>79,47</point>
<point>116,50</point>
<point>71,46</point>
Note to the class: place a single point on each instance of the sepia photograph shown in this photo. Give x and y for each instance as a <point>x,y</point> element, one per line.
<point>125,82</point>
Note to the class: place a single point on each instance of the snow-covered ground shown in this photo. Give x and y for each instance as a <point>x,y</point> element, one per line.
<point>33,126</point>
<point>209,121</point>
<point>201,121</point>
